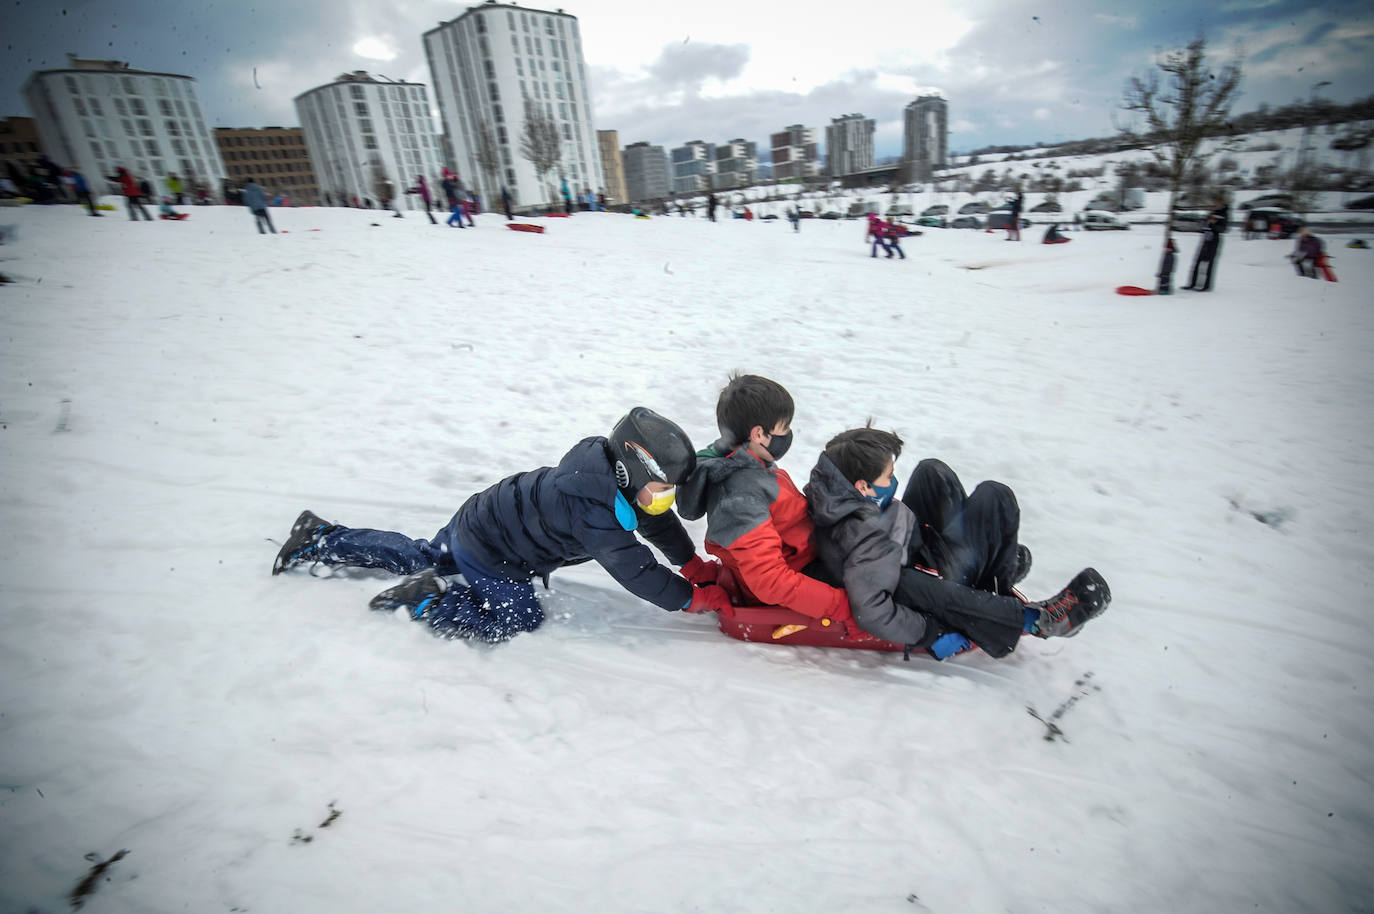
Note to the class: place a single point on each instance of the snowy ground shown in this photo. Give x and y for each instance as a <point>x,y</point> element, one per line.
<point>171,395</point>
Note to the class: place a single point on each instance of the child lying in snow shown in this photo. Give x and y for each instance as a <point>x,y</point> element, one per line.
<point>527,525</point>
<point>937,568</point>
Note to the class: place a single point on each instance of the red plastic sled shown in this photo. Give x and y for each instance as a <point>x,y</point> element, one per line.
<point>1132,290</point>
<point>1057,241</point>
<point>525,227</point>
<point>557,215</point>
<point>777,625</point>
<point>177,218</point>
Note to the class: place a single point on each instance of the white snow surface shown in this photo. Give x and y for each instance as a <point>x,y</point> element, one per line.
<point>173,394</point>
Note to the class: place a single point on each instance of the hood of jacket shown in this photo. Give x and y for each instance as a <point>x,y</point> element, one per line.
<point>832,498</point>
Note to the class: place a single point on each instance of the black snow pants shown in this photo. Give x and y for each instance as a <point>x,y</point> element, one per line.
<point>971,541</point>
<point>1204,267</point>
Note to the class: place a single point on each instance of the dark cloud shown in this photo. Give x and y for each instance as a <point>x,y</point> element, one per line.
<point>687,65</point>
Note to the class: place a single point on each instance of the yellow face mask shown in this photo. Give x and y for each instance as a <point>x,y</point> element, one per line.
<point>662,501</point>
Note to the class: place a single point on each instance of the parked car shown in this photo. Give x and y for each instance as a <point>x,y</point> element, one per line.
<point>1189,221</point>
<point>976,207</point>
<point>938,209</point>
<point>968,222</point>
<point>1269,201</point>
<point>1002,220</point>
<point>1287,223</point>
<point>1097,221</point>
<point>932,221</point>
<point>831,215</point>
<point>1049,206</point>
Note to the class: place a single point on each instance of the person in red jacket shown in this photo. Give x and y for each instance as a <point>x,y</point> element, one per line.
<point>757,522</point>
<point>133,194</point>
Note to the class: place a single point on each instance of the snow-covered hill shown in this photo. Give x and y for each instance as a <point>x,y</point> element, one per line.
<point>173,394</point>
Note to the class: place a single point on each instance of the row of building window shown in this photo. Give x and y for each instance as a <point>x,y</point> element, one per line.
<point>269,140</point>
<point>254,155</point>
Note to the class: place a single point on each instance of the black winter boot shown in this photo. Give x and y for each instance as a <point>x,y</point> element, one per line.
<point>1064,614</point>
<point>415,594</point>
<point>304,542</point>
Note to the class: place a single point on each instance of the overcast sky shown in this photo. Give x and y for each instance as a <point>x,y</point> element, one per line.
<point>1014,72</point>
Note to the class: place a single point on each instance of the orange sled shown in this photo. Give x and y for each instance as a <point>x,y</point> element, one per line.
<point>525,227</point>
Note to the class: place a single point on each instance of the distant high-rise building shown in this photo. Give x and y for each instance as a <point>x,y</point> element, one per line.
<point>274,157</point>
<point>694,164</point>
<point>795,153</point>
<point>96,115</point>
<point>925,144</point>
<point>737,163</point>
<point>360,128</point>
<point>488,65</point>
<point>646,172</point>
<point>608,144</point>
<point>849,144</point>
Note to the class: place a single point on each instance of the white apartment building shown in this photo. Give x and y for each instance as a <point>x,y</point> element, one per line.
<point>360,126</point>
<point>849,144</point>
<point>95,115</point>
<point>488,65</point>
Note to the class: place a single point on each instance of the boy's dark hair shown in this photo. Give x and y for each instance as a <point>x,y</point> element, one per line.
<point>863,453</point>
<point>749,400</point>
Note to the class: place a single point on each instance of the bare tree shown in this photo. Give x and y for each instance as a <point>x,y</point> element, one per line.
<point>488,158</point>
<point>539,141</point>
<point>1191,104</point>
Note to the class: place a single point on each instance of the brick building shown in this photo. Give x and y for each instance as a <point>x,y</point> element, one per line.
<point>275,157</point>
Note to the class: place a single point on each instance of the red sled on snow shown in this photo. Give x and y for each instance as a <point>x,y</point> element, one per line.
<point>1132,290</point>
<point>778,625</point>
<point>525,227</point>
<point>176,217</point>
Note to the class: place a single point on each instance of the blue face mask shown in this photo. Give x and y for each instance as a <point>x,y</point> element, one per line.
<point>882,495</point>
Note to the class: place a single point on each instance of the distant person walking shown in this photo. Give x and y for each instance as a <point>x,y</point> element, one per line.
<point>132,193</point>
<point>255,198</point>
<point>1204,266</point>
<point>1014,229</point>
<point>175,188</point>
<point>877,231</point>
<point>83,191</point>
<point>794,217</point>
<point>506,202</point>
<point>711,207</point>
<point>422,188</point>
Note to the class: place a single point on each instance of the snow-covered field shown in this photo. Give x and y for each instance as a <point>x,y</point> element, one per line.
<point>171,395</point>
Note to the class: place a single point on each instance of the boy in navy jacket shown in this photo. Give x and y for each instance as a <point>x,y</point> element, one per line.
<point>590,506</point>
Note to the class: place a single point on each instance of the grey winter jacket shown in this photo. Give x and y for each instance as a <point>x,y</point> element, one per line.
<point>253,197</point>
<point>865,547</point>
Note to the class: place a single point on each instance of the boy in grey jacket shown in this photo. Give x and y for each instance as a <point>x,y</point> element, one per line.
<point>934,570</point>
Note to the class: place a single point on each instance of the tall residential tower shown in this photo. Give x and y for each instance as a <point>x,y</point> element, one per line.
<point>849,145</point>
<point>926,136</point>
<point>492,62</point>
<point>99,114</point>
<point>359,129</point>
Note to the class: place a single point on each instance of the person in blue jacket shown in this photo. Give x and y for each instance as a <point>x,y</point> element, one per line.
<point>591,506</point>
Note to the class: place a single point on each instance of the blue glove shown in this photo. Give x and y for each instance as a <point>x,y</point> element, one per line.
<point>948,645</point>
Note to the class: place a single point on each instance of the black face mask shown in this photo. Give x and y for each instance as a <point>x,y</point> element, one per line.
<point>779,444</point>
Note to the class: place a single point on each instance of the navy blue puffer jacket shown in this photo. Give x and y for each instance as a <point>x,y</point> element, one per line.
<point>531,523</point>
